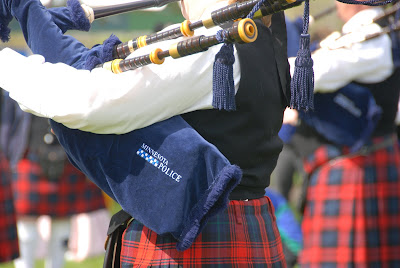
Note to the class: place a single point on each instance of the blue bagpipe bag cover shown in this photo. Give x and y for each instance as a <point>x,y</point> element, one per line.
<point>166,175</point>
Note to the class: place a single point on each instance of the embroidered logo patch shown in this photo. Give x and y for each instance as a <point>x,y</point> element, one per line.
<point>147,157</point>
<point>158,161</point>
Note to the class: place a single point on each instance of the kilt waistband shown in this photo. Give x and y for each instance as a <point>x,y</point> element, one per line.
<point>369,148</point>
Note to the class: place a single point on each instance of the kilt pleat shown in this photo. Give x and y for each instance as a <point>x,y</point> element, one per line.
<point>244,235</point>
<point>9,248</point>
<point>352,216</point>
<point>71,193</point>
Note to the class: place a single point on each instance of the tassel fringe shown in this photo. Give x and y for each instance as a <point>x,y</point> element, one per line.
<point>4,32</point>
<point>223,84</point>
<point>5,19</point>
<point>302,86</point>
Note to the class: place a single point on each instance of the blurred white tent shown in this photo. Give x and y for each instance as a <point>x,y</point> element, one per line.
<point>88,235</point>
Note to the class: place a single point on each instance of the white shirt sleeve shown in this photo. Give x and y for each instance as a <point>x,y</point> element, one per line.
<point>364,62</point>
<point>102,102</point>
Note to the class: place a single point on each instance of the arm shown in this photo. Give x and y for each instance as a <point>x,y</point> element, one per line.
<point>102,102</point>
<point>44,30</point>
<point>73,17</point>
<point>99,101</point>
<point>366,62</point>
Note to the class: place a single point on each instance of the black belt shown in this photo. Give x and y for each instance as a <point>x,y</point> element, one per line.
<point>367,149</point>
<point>118,223</point>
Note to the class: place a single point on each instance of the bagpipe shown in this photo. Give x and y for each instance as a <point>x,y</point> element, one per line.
<point>163,171</point>
<point>243,31</point>
<point>392,25</point>
<point>218,17</point>
<point>106,11</point>
<point>386,30</point>
<point>165,175</point>
<point>388,11</point>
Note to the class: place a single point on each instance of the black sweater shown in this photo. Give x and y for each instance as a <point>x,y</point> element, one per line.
<point>248,137</point>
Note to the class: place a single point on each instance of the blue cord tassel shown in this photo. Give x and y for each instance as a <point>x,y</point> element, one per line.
<point>223,83</point>
<point>302,85</point>
<point>4,32</point>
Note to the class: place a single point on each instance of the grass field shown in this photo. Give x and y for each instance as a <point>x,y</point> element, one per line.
<point>95,262</point>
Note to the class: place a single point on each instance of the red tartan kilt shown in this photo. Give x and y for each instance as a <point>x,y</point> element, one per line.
<point>244,235</point>
<point>9,249</point>
<point>72,193</point>
<point>352,217</point>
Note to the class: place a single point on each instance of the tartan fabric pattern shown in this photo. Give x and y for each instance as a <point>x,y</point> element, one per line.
<point>244,235</point>
<point>9,248</point>
<point>352,216</point>
<point>35,195</point>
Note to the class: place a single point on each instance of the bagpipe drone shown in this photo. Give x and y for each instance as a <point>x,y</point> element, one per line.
<point>226,14</point>
<point>390,24</point>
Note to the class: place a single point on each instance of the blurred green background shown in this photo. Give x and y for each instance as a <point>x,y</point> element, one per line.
<point>130,25</point>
